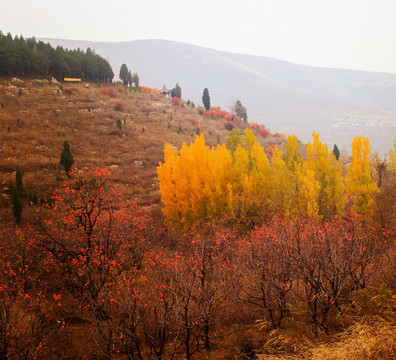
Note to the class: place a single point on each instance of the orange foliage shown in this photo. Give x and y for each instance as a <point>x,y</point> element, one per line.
<point>280,135</point>
<point>270,149</point>
<point>259,128</point>
<point>146,89</point>
<point>109,91</point>
<point>121,89</point>
<point>194,122</point>
<point>223,115</point>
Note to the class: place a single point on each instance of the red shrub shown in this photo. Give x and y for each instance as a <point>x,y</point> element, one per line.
<point>109,91</point>
<point>176,101</point>
<point>194,122</point>
<point>118,105</point>
<point>121,89</point>
<point>264,132</point>
<point>68,91</point>
<point>270,149</point>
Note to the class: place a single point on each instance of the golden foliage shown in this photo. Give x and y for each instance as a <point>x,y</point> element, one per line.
<point>200,181</point>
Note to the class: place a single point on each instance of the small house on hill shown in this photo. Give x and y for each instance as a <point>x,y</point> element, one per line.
<point>165,92</point>
<point>72,80</point>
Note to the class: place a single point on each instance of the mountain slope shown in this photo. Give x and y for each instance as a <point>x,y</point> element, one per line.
<point>105,127</point>
<point>291,98</point>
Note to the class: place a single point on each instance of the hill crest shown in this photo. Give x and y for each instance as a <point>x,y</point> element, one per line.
<point>289,98</point>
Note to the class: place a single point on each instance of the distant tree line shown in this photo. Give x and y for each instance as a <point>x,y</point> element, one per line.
<point>20,57</point>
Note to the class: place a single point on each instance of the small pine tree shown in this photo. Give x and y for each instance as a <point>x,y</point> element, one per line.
<point>16,203</point>
<point>124,74</point>
<point>119,124</point>
<point>206,99</point>
<point>66,158</point>
<point>19,184</point>
<point>336,152</point>
<point>176,91</point>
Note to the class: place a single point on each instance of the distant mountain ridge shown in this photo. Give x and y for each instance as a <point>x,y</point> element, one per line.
<point>287,97</point>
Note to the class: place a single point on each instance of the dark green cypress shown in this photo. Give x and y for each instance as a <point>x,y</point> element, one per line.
<point>336,152</point>
<point>206,99</point>
<point>66,158</point>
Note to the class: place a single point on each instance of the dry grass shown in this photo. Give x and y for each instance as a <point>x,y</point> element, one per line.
<point>373,338</point>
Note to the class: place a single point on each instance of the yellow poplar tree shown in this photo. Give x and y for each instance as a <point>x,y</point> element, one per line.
<point>361,187</point>
<point>392,163</point>
<point>175,202</point>
<point>280,183</point>
<point>294,199</point>
<point>194,182</point>
<point>220,165</point>
<point>328,174</point>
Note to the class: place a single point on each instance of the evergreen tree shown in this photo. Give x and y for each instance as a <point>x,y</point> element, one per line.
<point>119,124</point>
<point>336,152</point>
<point>27,57</point>
<point>176,91</point>
<point>206,99</point>
<point>66,158</point>
<point>19,185</point>
<point>16,203</point>
<point>124,74</point>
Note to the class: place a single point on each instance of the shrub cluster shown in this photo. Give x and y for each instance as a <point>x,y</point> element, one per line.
<point>96,266</point>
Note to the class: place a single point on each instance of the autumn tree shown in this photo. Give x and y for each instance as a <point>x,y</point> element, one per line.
<point>266,273</point>
<point>194,182</point>
<point>27,315</point>
<point>328,175</point>
<point>135,79</point>
<point>93,240</point>
<point>130,78</point>
<point>234,139</point>
<point>361,187</point>
<point>206,99</point>
<point>237,109</point>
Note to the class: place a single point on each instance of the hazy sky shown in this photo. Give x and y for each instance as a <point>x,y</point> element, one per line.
<point>353,34</point>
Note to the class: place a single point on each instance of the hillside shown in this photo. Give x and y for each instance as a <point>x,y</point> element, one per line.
<point>37,117</point>
<point>93,277</point>
<point>286,97</point>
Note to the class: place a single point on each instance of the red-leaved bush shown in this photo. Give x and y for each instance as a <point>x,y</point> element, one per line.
<point>108,91</point>
<point>176,101</point>
<point>264,132</point>
<point>194,122</point>
<point>118,105</point>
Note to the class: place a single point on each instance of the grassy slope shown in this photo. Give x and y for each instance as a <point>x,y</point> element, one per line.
<point>87,119</point>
